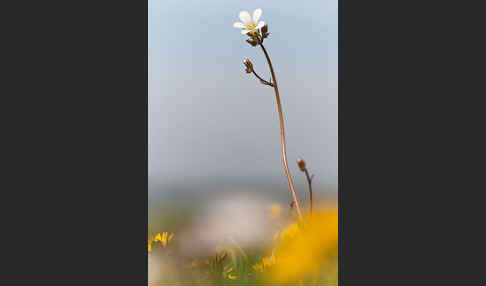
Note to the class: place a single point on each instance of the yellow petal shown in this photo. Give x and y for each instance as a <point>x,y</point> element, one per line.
<point>314,247</point>
<point>164,239</point>
<point>232,277</point>
<point>266,262</point>
<point>157,238</point>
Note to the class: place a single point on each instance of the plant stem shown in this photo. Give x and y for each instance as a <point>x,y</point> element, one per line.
<point>282,134</point>
<point>261,79</point>
<point>309,181</point>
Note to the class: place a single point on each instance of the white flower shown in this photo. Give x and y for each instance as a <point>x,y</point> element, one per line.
<point>249,24</point>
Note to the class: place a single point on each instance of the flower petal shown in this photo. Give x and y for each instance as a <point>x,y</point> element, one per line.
<point>239,25</point>
<point>245,31</point>
<point>256,15</point>
<point>260,25</point>
<point>245,17</point>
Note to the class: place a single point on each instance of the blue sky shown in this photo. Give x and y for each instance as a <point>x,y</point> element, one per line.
<point>209,119</point>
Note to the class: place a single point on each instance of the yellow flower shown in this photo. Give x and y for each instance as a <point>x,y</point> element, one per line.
<point>149,245</point>
<point>227,273</point>
<point>268,261</point>
<point>265,264</point>
<point>163,238</point>
<point>290,232</point>
<point>157,238</point>
<point>304,248</point>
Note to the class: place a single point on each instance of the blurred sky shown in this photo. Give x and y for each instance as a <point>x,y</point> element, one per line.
<point>210,123</point>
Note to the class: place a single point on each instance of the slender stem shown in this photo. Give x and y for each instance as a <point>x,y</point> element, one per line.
<point>261,79</point>
<point>309,181</point>
<point>282,134</point>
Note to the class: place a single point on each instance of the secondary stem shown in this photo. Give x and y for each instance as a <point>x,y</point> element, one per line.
<point>309,181</point>
<point>261,79</point>
<point>282,134</point>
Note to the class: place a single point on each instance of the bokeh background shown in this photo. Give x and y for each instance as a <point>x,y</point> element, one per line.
<point>213,129</point>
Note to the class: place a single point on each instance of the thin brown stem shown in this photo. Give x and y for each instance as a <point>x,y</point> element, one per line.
<point>309,181</point>
<point>261,79</point>
<point>282,134</point>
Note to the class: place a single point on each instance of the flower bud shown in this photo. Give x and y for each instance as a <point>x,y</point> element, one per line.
<point>265,31</point>
<point>301,164</point>
<point>248,65</point>
<point>252,41</point>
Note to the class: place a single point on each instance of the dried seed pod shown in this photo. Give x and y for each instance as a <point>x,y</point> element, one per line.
<point>265,31</point>
<point>301,164</point>
<point>252,41</point>
<point>248,65</point>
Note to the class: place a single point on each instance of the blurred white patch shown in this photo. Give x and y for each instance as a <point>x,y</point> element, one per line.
<point>234,219</point>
